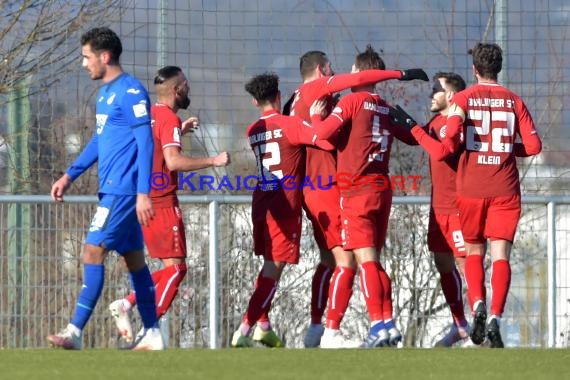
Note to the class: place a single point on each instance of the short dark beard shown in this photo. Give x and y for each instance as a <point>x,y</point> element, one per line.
<point>182,102</point>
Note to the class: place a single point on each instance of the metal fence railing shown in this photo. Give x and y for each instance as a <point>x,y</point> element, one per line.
<point>40,275</point>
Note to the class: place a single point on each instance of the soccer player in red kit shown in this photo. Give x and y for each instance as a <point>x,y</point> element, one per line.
<point>165,236</point>
<point>363,152</point>
<point>276,141</point>
<point>320,200</point>
<point>490,117</point>
<point>444,238</point>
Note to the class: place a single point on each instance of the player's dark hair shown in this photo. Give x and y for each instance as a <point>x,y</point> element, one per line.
<point>487,59</point>
<point>310,60</point>
<point>103,39</point>
<point>263,87</point>
<point>369,59</point>
<point>166,73</point>
<point>453,81</point>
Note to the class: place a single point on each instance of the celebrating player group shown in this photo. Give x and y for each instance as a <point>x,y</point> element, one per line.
<point>472,140</point>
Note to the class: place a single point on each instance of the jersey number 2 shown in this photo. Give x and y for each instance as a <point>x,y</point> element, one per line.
<point>264,164</point>
<point>487,118</point>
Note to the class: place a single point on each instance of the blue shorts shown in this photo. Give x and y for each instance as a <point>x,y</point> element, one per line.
<point>115,225</point>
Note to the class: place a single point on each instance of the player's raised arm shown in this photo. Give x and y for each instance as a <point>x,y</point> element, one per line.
<point>339,82</point>
<point>436,149</point>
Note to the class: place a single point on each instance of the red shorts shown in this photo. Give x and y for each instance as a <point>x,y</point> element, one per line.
<point>277,240</point>
<point>489,218</point>
<point>444,234</point>
<point>365,219</point>
<point>165,237</point>
<point>322,209</point>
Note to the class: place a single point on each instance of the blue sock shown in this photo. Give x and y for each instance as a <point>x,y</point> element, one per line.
<point>144,289</point>
<point>93,280</point>
<point>389,323</point>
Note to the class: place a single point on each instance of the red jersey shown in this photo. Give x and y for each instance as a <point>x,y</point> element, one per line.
<point>443,173</point>
<point>364,142</point>
<point>166,132</point>
<point>318,162</point>
<point>490,117</point>
<point>276,141</point>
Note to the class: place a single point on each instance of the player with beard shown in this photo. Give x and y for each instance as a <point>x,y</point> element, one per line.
<point>164,236</point>
<point>321,202</point>
<point>445,238</point>
<point>122,146</point>
<point>491,118</point>
<point>363,143</point>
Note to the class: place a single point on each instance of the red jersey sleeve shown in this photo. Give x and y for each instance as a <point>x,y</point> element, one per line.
<point>531,143</point>
<point>339,116</point>
<point>299,132</point>
<point>436,149</point>
<point>168,130</point>
<point>403,135</point>
<point>327,86</point>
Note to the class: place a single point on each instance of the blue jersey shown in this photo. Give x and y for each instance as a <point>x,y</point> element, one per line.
<point>122,142</point>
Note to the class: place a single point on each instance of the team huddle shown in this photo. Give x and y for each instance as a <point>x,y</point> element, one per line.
<point>471,141</point>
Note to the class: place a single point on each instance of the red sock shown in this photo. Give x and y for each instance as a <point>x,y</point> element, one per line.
<point>260,301</point>
<point>387,310</point>
<point>500,283</point>
<point>475,278</point>
<point>319,292</point>
<point>372,289</point>
<point>132,297</point>
<point>167,286</point>
<point>340,292</point>
<point>452,291</point>
<point>263,320</point>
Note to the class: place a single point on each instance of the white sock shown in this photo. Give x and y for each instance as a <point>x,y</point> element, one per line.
<point>330,332</point>
<point>498,319</point>
<point>126,304</point>
<point>73,329</point>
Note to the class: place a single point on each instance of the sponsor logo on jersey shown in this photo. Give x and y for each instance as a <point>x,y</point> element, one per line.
<point>139,110</point>
<point>133,91</point>
<point>442,131</point>
<point>101,121</point>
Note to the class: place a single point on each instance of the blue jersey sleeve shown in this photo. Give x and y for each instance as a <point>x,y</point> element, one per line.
<point>84,161</point>
<point>136,108</point>
<point>145,145</point>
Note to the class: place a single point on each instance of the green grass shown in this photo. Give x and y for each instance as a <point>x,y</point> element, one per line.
<point>274,364</point>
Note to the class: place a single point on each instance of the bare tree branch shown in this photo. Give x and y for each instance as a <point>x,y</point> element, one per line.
<point>35,37</point>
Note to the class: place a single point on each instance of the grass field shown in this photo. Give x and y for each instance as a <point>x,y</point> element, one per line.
<point>273,364</point>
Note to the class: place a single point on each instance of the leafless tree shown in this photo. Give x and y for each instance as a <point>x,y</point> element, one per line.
<point>35,37</point>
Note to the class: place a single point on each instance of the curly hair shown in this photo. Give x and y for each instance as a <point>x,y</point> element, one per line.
<point>263,87</point>
<point>487,59</point>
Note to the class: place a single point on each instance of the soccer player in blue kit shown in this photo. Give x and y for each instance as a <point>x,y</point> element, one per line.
<point>122,145</point>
